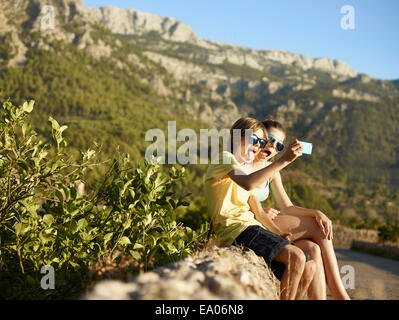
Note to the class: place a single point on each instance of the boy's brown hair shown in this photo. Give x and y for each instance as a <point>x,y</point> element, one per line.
<point>246,123</point>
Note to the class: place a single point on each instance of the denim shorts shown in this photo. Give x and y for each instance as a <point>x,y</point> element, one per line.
<point>265,244</point>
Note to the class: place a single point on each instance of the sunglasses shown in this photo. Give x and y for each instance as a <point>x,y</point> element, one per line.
<point>279,145</point>
<point>254,139</point>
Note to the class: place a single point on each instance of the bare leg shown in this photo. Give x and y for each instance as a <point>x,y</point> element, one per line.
<point>294,261</point>
<point>317,288</point>
<point>306,280</point>
<point>307,228</point>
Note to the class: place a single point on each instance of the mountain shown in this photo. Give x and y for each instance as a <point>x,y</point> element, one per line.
<point>111,74</point>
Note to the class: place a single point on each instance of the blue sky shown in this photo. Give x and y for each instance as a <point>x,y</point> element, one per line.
<point>309,27</point>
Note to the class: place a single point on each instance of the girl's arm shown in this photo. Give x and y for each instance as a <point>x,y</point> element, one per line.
<point>257,178</point>
<point>286,207</point>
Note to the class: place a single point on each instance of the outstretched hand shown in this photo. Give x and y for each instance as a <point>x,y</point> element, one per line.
<point>293,151</point>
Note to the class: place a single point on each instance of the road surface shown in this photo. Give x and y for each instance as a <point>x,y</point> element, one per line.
<point>375,278</point>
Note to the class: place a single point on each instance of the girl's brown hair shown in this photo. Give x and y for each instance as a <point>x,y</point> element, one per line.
<point>269,123</point>
<point>272,123</point>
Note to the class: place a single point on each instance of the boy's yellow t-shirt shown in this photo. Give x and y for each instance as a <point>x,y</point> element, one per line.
<point>227,202</point>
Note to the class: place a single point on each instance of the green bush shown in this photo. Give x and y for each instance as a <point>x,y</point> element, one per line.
<point>388,232</point>
<point>129,217</point>
<point>306,196</point>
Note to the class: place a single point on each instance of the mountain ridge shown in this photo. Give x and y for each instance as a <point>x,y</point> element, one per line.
<point>135,22</point>
<point>117,20</point>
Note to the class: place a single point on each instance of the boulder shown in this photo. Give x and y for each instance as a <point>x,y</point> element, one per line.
<point>214,273</point>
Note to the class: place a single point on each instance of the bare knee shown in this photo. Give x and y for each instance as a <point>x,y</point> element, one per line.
<point>313,250</point>
<point>297,259</point>
<point>316,233</point>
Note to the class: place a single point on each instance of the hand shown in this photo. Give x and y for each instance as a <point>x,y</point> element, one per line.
<point>271,212</point>
<point>324,223</point>
<point>292,151</point>
<point>287,236</point>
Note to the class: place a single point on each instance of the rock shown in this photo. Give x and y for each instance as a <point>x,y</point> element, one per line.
<point>214,273</point>
<point>112,290</point>
<point>100,50</point>
<point>343,236</point>
<point>354,95</point>
<point>19,58</point>
<point>157,84</point>
<point>134,22</point>
<point>274,86</point>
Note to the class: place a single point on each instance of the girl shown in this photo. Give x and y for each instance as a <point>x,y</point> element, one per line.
<point>228,186</point>
<point>302,223</point>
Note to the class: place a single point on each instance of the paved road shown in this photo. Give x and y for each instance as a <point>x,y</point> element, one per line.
<point>374,277</point>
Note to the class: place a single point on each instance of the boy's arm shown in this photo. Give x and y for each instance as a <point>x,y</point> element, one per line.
<point>262,217</point>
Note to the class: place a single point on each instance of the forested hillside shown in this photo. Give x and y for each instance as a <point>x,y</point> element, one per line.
<point>111,84</point>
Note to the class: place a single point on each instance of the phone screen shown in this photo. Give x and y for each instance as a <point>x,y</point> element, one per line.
<point>307,147</point>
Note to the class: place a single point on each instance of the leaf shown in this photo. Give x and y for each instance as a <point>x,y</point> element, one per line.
<point>89,154</point>
<point>135,254</point>
<point>171,247</point>
<point>184,203</point>
<point>88,207</point>
<point>148,219</point>
<point>54,123</point>
<point>44,238</point>
<point>108,237</point>
<point>62,129</point>
<point>73,227</point>
<point>82,223</point>
<point>48,219</point>
<point>115,255</point>
<point>132,193</point>
<point>127,184</point>
<point>138,246</point>
<point>73,193</point>
<point>56,260</point>
<point>124,241</point>
<point>18,228</point>
<point>59,196</point>
<point>127,223</point>
<point>28,107</point>
<point>85,236</point>
<point>25,128</point>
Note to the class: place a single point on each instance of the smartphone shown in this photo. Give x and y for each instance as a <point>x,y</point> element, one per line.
<point>307,147</point>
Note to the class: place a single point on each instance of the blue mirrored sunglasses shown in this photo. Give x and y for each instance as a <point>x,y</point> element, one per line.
<point>254,139</point>
<point>279,145</point>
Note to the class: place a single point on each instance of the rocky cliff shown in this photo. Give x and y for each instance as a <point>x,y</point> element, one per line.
<point>134,22</point>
